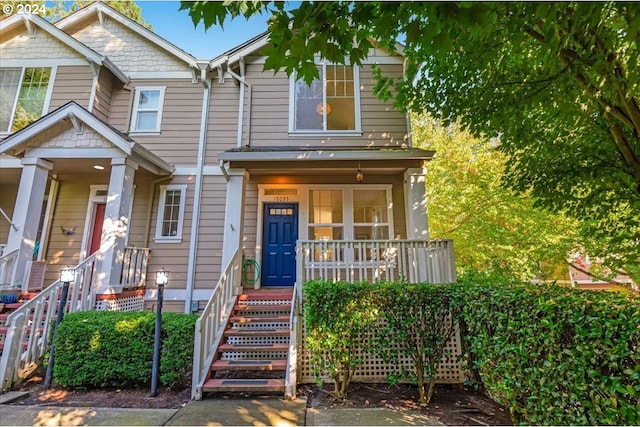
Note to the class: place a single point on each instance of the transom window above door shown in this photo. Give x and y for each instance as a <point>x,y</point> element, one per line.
<point>146,115</point>
<point>331,103</point>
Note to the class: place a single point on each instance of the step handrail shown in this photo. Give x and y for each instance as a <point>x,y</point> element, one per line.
<point>36,317</point>
<point>210,325</point>
<point>295,337</point>
<point>8,265</point>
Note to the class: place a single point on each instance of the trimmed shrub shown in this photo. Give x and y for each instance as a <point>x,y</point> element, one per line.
<point>113,349</point>
<point>555,355</point>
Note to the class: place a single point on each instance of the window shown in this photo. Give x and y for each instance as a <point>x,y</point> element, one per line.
<point>147,109</point>
<point>171,213</point>
<point>326,215</point>
<point>370,215</point>
<point>25,93</point>
<point>329,104</point>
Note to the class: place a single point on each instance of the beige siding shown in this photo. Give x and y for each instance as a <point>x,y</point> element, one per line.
<point>381,124</point>
<point>8,193</point>
<point>222,130</point>
<point>104,95</point>
<point>399,210</point>
<point>128,51</point>
<point>177,142</point>
<point>72,84</point>
<point>210,232</point>
<point>173,257</point>
<point>42,46</point>
<point>250,221</point>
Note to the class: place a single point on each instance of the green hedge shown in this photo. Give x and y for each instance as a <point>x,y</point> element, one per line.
<point>113,349</point>
<point>555,355</point>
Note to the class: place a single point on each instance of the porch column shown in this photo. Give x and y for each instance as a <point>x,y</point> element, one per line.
<point>116,224</point>
<point>234,214</point>
<point>414,192</point>
<point>417,222</point>
<point>26,213</point>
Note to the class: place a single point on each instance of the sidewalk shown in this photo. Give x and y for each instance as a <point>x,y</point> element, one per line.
<point>211,412</point>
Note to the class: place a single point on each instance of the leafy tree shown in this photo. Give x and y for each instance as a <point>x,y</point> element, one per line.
<point>558,82</point>
<point>494,228</point>
<point>59,9</point>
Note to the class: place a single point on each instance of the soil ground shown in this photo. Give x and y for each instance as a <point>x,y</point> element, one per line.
<point>450,405</point>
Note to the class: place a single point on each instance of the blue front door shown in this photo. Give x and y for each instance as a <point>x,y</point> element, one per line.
<point>279,235</point>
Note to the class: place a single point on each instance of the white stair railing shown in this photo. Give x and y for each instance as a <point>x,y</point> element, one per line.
<point>8,266</point>
<point>295,342</point>
<point>134,267</point>
<point>211,323</point>
<point>28,327</point>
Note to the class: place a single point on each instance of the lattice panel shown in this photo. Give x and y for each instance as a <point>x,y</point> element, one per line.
<point>128,303</point>
<point>265,301</point>
<point>257,312</point>
<point>258,340</point>
<point>375,369</point>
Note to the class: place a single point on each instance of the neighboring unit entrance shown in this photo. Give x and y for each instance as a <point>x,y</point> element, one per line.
<point>280,232</point>
<point>96,232</point>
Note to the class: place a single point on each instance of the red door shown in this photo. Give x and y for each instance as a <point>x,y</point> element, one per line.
<point>96,232</point>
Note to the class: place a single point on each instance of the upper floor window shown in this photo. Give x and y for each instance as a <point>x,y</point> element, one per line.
<point>147,109</point>
<point>330,103</point>
<point>171,212</point>
<point>25,93</point>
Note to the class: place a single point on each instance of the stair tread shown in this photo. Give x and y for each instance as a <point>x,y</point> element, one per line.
<point>253,347</point>
<point>251,307</point>
<point>233,332</point>
<point>250,365</point>
<point>266,295</point>
<point>243,384</point>
<point>260,318</point>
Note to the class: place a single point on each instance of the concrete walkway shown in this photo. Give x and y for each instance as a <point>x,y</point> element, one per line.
<point>267,411</point>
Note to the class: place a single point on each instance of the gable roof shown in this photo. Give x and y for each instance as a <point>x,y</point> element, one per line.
<point>17,143</point>
<point>32,21</point>
<point>100,9</point>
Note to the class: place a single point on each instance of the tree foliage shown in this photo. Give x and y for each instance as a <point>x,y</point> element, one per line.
<point>558,82</point>
<point>58,9</point>
<point>494,228</point>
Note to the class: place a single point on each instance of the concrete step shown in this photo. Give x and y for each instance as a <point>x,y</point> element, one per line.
<point>249,365</point>
<point>252,347</point>
<point>241,384</point>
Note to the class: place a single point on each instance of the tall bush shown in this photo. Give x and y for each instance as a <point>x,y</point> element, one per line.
<point>336,315</point>
<point>555,355</point>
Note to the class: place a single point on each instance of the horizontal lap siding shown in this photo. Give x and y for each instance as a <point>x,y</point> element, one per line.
<point>210,232</point>
<point>174,257</point>
<point>8,194</point>
<point>177,142</point>
<point>250,220</point>
<point>104,95</point>
<point>222,130</point>
<point>72,83</point>
<point>382,125</point>
<point>399,209</point>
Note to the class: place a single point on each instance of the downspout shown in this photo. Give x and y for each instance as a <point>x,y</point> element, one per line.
<point>408,114</point>
<point>241,79</point>
<point>197,197</point>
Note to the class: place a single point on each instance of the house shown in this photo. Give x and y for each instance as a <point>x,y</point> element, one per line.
<point>122,154</point>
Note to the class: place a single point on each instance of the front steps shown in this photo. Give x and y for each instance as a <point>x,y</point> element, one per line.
<point>6,309</point>
<point>252,356</point>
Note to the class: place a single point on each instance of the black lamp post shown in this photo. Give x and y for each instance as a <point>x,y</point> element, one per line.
<point>162,278</point>
<point>67,275</point>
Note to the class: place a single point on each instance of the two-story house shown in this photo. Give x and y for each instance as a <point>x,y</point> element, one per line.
<point>122,154</point>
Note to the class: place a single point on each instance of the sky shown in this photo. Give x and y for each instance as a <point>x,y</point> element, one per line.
<point>177,27</point>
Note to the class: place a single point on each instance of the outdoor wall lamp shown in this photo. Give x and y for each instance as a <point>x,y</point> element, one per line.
<point>359,175</point>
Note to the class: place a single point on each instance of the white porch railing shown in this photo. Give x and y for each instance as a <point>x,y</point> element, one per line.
<point>134,267</point>
<point>28,328</point>
<point>376,260</point>
<point>8,266</point>
<point>211,323</point>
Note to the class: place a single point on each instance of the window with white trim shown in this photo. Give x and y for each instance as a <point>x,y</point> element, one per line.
<point>171,213</point>
<point>147,109</point>
<point>25,94</point>
<point>330,103</point>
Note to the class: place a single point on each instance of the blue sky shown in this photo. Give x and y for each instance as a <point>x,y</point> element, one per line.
<point>177,27</point>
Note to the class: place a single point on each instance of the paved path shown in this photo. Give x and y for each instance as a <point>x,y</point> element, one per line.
<point>211,412</point>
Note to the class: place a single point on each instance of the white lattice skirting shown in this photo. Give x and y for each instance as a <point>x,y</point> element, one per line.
<point>375,369</point>
<point>127,301</point>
